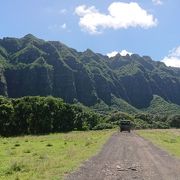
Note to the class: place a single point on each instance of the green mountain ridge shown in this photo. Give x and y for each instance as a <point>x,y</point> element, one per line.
<point>159,106</point>
<point>30,66</point>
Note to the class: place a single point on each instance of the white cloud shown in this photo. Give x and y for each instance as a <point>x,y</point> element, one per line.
<point>122,53</point>
<point>57,27</point>
<point>157,2</point>
<point>120,15</point>
<point>112,54</point>
<point>173,59</point>
<point>64,26</point>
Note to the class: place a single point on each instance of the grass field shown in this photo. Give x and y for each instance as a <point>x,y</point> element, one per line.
<point>167,139</point>
<point>47,157</point>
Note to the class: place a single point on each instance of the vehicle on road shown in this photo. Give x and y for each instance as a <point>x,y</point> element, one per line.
<point>125,125</point>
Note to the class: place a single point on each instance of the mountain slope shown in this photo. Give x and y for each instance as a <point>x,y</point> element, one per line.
<point>159,106</point>
<point>31,66</point>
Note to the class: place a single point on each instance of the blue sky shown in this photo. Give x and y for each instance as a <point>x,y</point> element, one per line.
<point>145,27</point>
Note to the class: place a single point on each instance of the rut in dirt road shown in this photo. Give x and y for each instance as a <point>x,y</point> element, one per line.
<point>127,156</point>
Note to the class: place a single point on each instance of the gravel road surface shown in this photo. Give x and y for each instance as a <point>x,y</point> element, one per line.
<point>126,156</point>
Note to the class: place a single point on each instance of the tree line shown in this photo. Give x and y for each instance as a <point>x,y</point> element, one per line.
<point>41,115</point>
<point>147,120</point>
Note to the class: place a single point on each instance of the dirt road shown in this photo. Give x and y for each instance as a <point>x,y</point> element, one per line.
<point>127,156</point>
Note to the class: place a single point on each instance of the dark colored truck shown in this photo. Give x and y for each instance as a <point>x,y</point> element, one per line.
<point>125,125</point>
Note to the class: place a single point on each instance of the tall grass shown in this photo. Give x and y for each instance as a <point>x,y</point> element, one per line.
<point>48,157</point>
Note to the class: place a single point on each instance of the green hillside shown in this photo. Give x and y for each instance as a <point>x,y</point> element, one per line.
<point>33,67</point>
<point>159,106</point>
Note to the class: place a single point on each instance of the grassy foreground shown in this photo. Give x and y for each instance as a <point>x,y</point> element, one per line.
<point>47,157</point>
<point>167,139</point>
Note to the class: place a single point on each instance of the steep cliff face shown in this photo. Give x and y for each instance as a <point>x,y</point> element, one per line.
<point>142,78</point>
<point>31,66</point>
<point>33,79</point>
<point>3,84</point>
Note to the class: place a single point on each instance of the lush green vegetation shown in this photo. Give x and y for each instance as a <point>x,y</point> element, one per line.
<point>101,90</point>
<point>33,67</point>
<point>159,106</point>
<point>145,120</point>
<point>167,139</point>
<point>41,115</point>
<point>48,157</point>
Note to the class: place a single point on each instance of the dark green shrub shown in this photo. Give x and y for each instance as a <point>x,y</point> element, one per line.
<point>160,125</point>
<point>140,124</point>
<point>174,121</point>
<point>103,126</point>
